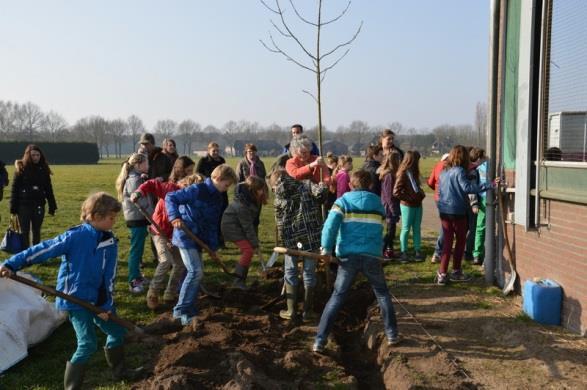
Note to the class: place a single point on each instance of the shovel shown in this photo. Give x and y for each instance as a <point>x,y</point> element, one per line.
<point>206,248</point>
<point>86,305</point>
<point>509,286</point>
<point>154,224</point>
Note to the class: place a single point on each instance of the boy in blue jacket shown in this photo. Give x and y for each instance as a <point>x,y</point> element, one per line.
<point>355,222</point>
<point>201,208</point>
<point>89,254</point>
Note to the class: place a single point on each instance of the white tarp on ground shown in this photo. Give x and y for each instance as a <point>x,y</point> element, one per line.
<point>26,319</point>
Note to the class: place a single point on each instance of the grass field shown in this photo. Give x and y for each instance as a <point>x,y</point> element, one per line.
<point>43,369</point>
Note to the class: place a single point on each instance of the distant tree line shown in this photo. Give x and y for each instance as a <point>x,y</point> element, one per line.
<point>26,122</point>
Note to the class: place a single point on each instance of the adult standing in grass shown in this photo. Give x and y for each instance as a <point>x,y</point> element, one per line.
<point>212,159</point>
<point>250,165</point>
<point>408,190</point>
<point>159,164</point>
<point>31,190</point>
<point>170,150</point>
<point>387,143</point>
<point>131,176</point>
<point>296,131</point>
<point>453,201</point>
<point>304,165</point>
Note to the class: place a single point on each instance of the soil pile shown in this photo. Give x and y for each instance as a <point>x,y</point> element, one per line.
<point>237,345</point>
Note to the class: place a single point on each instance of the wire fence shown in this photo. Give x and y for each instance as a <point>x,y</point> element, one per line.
<point>566,125</point>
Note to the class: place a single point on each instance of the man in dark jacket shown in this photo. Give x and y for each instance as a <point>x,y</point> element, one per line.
<point>297,130</point>
<point>213,159</point>
<point>159,164</point>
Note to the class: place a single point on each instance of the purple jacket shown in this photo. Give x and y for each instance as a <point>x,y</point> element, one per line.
<point>390,202</point>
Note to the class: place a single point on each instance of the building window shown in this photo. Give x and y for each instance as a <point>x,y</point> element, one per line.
<point>563,161</point>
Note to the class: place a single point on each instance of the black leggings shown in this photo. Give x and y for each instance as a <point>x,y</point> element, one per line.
<point>31,218</point>
<point>389,236</point>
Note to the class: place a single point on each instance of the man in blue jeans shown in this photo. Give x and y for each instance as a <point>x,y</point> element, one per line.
<point>356,223</point>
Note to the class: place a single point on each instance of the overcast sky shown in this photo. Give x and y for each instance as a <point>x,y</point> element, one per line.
<point>419,62</point>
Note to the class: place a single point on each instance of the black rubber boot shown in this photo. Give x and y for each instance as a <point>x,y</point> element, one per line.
<point>115,360</point>
<point>291,296</point>
<point>242,272</point>
<point>309,314</point>
<point>73,378</point>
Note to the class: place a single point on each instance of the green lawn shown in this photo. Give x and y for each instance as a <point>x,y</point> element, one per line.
<point>43,369</point>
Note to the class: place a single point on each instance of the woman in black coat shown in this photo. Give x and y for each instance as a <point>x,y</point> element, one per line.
<point>31,189</point>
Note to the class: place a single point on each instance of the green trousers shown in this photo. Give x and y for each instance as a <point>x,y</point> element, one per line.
<point>479,250</point>
<point>411,220</point>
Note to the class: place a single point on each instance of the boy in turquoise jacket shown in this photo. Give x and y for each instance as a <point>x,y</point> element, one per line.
<point>355,222</point>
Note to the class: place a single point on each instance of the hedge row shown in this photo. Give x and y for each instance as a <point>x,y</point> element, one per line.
<point>55,152</point>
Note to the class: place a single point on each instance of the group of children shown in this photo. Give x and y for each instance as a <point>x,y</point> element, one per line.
<point>385,190</point>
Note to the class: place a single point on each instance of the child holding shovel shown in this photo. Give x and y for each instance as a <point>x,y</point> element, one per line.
<point>202,209</point>
<point>89,254</point>
<point>169,258</point>
<point>355,224</point>
<point>240,223</point>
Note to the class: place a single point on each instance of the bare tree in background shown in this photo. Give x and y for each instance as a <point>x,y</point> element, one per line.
<point>359,129</point>
<point>317,56</point>
<point>396,127</point>
<point>28,119</point>
<point>135,127</point>
<point>187,130</point>
<point>118,128</point>
<point>54,124</point>
<point>165,128</point>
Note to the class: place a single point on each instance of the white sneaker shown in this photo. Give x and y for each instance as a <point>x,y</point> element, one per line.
<point>136,286</point>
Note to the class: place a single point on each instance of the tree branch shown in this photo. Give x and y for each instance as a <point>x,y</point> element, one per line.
<point>300,16</point>
<point>269,8</point>
<point>277,49</point>
<point>280,12</point>
<point>311,94</point>
<point>280,31</point>
<point>343,44</point>
<point>335,62</point>
<point>339,16</point>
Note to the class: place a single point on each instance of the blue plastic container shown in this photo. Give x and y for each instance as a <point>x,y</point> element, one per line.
<point>542,301</point>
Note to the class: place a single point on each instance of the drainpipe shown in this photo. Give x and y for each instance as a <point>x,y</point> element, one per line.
<point>494,35</point>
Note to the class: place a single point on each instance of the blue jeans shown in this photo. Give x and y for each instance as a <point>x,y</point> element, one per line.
<point>135,254</point>
<point>83,323</point>
<point>188,295</point>
<point>439,241</point>
<point>347,271</point>
<point>291,271</point>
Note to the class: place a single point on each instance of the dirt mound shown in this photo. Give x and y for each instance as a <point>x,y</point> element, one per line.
<point>239,346</point>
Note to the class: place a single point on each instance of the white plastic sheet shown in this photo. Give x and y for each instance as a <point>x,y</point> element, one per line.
<point>26,319</point>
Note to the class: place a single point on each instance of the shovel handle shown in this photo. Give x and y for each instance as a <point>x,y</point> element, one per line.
<point>207,249</point>
<point>295,252</point>
<point>86,305</point>
<point>154,224</point>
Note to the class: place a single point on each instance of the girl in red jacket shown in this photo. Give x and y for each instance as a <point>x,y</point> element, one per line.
<point>168,255</point>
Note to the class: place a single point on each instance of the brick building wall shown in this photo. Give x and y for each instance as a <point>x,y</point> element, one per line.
<point>558,252</point>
